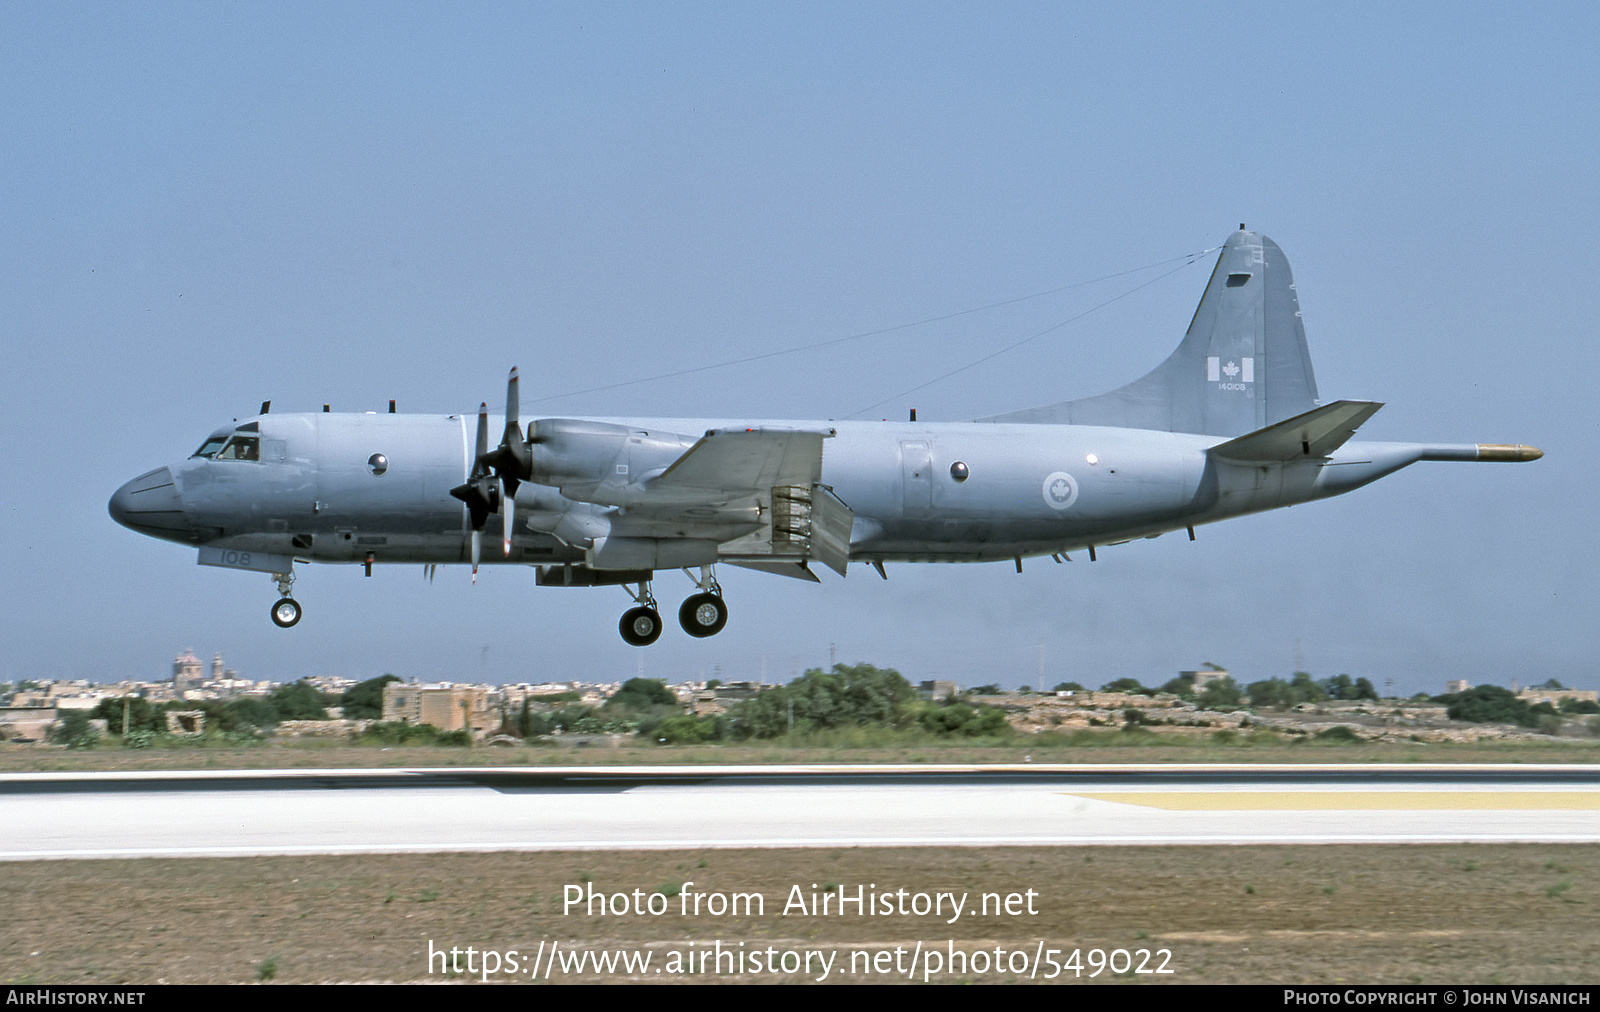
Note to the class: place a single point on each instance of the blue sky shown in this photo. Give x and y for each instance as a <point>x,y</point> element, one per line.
<point>208,205</point>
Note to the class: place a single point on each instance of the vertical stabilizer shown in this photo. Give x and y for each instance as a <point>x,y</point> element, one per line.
<point>1242,366</point>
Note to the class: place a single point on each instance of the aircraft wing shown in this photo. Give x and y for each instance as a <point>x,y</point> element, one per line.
<point>738,461</point>
<point>756,491</point>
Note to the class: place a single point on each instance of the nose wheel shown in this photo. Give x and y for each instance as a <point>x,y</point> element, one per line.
<point>286,612</point>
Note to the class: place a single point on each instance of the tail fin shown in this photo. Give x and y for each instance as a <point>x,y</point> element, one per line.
<point>1242,366</point>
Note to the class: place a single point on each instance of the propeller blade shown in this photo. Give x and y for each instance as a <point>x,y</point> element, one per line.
<point>477,550</point>
<point>513,404</point>
<point>479,493</point>
<point>483,436</point>
<point>510,460</point>
<point>509,505</point>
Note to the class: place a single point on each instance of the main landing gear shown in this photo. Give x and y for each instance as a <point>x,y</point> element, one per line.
<point>641,626</point>
<point>702,614</point>
<point>286,612</point>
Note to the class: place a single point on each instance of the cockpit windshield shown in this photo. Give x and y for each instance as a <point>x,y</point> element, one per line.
<point>228,444</point>
<point>241,448</point>
<point>213,443</point>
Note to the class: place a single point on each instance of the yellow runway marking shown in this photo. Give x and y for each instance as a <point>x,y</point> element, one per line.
<point>1236,801</point>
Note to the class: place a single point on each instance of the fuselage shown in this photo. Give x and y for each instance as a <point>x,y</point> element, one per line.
<point>334,488</point>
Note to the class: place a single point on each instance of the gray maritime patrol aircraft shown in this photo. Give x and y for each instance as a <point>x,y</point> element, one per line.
<point>1229,424</point>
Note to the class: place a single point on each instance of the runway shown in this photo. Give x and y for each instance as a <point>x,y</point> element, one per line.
<point>229,813</point>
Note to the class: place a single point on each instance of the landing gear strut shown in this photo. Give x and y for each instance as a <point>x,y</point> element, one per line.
<point>704,614</point>
<point>641,626</point>
<point>286,612</point>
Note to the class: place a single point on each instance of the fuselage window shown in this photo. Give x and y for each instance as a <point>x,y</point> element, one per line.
<point>241,448</point>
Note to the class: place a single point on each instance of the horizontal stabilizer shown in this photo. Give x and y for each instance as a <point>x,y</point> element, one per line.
<point>1317,433</point>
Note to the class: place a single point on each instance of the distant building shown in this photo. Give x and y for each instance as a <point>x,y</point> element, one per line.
<point>446,706</point>
<point>1201,679</point>
<point>186,671</point>
<point>1535,694</point>
<point>709,702</point>
<point>937,690</point>
<point>1458,685</point>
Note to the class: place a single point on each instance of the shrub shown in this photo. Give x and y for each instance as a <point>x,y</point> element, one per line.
<point>847,696</point>
<point>398,732</point>
<point>298,701</point>
<point>957,720</point>
<point>1223,692</point>
<point>75,731</point>
<point>642,694</point>
<point>1129,685</point>
<point>1485,704</point>
<point>141,715</point>
<point>685,729</point>
<point>1180,687</point>
<point>1337,733</point>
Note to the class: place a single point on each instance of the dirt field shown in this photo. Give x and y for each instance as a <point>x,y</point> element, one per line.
<point>1109,747</point>
<point>1392,914</point>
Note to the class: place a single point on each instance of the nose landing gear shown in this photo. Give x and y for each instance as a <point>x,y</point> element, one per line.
<point>286,612</point>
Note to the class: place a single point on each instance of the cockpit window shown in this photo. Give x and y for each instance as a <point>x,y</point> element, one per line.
<point>241,448</point>
<point>210,447</point>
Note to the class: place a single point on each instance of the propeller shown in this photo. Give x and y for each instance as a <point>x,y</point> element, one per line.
<point>481,492</point>
<point>492,486</point>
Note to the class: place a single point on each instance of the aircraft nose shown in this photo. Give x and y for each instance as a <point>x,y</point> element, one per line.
<point>150,504</point>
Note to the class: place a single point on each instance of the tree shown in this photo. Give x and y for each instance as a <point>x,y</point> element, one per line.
<point>364,700</point>
<point>250,711</point>
<point>1486,704</point>
<point>141,715</point>
<point>1180,687</point>
<point>958,720</point>
<point>1341,687</point>
<point>847,696</point>
<point>1129,685</point>
<point>75,731</point>
<point>298,701</point>
<point>1222,692</point>
<point>642,694</point>
<point>1306,688</point>
<point>1271,692</point>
